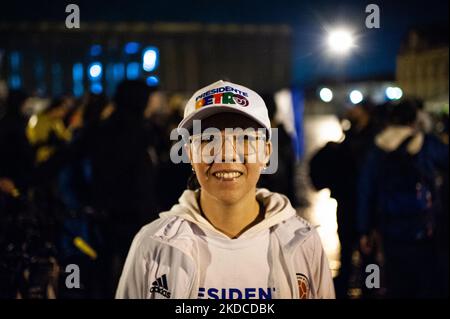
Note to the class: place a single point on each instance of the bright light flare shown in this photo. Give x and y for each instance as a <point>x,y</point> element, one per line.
<point>356,96</point>
<point>95,70</point>
<point>340,41</point>
<point>394,93</point>
<point>326,94</point>
<point>150,59</point>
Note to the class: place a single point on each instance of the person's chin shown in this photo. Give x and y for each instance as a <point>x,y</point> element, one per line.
<point>228,195</point>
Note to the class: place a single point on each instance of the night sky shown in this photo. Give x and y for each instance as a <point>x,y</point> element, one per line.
<point>374,56</point>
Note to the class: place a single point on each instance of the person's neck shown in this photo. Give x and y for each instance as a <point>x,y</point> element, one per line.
<point>231,219</point>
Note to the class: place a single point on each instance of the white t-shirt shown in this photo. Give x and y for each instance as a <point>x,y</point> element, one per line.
<point>244,278</point>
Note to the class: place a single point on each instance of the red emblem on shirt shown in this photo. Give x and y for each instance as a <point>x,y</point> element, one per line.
<point>303,286</point>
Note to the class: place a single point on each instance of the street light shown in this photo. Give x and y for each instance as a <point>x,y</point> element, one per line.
<point>340,41</point>
<point>394,93</point>
<point>326,94</point>
<point>356,96</point>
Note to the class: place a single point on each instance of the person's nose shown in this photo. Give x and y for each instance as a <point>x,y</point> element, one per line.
<point>228,150</point>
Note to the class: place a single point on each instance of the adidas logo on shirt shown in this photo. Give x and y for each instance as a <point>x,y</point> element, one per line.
<point>160,286</point>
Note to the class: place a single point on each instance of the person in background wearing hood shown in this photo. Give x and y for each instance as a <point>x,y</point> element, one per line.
<point>397,197</point>
<point>227,239</point>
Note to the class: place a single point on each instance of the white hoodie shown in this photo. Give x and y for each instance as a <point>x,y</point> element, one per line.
<point>166,258</point>
<point>392,136</point>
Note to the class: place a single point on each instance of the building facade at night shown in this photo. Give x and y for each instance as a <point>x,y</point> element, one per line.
<point>422,65</point>
<point>50,59</point>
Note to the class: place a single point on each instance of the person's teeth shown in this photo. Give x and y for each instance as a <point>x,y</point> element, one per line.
<point>227,175</point>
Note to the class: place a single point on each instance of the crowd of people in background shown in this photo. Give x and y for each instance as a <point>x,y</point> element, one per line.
<point>389,177</point>
<point>89,169</point>
<point>80,177</point>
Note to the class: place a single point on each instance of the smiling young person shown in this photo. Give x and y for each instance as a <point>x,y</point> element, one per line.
<point>227,239</point>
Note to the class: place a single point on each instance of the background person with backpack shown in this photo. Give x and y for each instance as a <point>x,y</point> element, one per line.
<point>397,197</point>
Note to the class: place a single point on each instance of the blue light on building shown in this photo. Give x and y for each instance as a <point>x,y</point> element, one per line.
<point>14,59</point>
<point>150,59</point>
<point>95,71</point>
<point>96,88</point>
<point>95,74</point>
<point>15,82</point>
<point>118,71</point>
<point>96,50</point>
<point>152,80</point>
<point>15,79</point>
<point>132,71</point>
<point>77,72</point>
<point>78,89</point>
<point>77,75</point>
<point>132,48</point>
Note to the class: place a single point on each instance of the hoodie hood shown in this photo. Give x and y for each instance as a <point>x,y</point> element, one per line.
<point>392,136</point>
<point>277,206</point>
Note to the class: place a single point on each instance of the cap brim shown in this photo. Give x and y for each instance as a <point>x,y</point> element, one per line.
<point>208,111</point>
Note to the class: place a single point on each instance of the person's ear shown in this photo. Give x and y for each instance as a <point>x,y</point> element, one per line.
<point>267,153</point>
<point>266,157</point>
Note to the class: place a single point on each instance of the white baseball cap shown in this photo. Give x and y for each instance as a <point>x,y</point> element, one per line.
<point>223,96</point>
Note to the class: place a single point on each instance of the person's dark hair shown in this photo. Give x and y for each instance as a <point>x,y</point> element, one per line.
<point>132,96</point>
<point>269,99</point>
<point>94,106</point>
<point>54,103</point>
<point>193,183</point>
<point>419,103</point>
<point>14,102</point>
<point>368,106</point>
<point>402,113</point>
